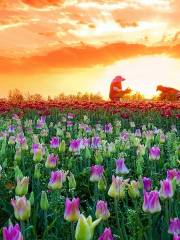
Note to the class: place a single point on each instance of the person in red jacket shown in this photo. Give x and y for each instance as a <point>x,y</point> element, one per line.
<point>116,91</point>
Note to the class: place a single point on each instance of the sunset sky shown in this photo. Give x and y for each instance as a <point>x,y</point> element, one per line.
<point>54,46</point>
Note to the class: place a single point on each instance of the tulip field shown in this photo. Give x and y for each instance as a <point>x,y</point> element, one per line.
<point>90,171</point>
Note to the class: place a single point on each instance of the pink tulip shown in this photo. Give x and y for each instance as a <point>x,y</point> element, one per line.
<point>102,210</point>
<point>72,212</point>
<point>22,208</point>
<point>96,173</point>
<point>121,167</point>
<point>57,179</point>
<point>52,161</point>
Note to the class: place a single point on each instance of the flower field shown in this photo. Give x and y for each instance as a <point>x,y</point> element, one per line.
<point>89,170</point>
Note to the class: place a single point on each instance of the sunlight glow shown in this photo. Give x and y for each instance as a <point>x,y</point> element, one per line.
<point>143,74</point>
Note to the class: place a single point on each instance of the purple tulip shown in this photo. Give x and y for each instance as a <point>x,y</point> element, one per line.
<point>166,190</point>
<point>107,235</point>
<point>124,136</point>
<point>38,148</point>
<point>95,142</point>
<point>174,226</point>
<point>41,122</point>
<point>11,129</point>
<point>57,179</point>
<point>96,173</point>
<point>72,212</point>
<point>138,133</point>
<point>154,153</point>
<point>54,143</point>
<point>75,145</point>
<point>151,202</point>
<point>121,167</point>
<point>108,128</point>
<point>147,183</point>
<point>52,161</point>
<point>21,139</point>
<point>12,233</point>
<point>35,147</point>
<point>102,210</point>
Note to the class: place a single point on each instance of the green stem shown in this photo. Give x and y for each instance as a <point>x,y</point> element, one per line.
<point>72,231</point>
<point>167,215</point>
<point>150,226</point>
<point>45,219</point>
<point>22,229</point>
<point>117,218</point>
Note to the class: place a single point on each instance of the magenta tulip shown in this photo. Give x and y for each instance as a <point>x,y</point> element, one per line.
<point>107,235</point>
<point>12,233</point>
<point>151,202</point>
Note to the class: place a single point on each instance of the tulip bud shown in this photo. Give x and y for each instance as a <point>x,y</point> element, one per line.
<point>133,190</point>
<point>98,157</point>
<point>38,156</point>
<point>18,173</point>
<point>87,153</point>
<point>44,204</point>
<point>102,184</point>
<point>31,198</point>
<point>72,182</point>
<point>62,146</point>
<point>22,186</point>
<point>17,156</point>
<point>37,173</point>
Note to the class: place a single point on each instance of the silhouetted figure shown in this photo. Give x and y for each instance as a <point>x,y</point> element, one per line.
<point>168,93</point>
<point>116,91</point>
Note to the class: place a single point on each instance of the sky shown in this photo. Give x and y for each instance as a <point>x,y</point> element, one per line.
<point>55,46</point>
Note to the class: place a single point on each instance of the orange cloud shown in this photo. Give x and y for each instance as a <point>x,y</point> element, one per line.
<point>42,3</point>
<point>81,56</point>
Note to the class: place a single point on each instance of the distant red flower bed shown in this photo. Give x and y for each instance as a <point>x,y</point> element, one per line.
<point>167,109</point>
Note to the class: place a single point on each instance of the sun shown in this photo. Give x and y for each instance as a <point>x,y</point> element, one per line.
<point>144,74</point>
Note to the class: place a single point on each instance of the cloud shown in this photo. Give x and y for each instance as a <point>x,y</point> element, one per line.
<point>42,3</point>
<point>83,56</point>
<point>125,24</point>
